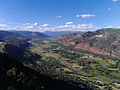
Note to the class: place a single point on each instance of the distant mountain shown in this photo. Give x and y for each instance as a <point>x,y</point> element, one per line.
<point>55,34</point>
<point>6,35</point>
<point>103,41</point>
<point>32,35</point>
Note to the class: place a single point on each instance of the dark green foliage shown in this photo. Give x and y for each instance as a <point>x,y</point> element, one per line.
<point>70,55</point>
<point>13,75</point>
<point>50,64</point>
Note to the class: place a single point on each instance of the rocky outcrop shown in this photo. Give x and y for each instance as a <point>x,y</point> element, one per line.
<point>82,46</point>
<point>115,43</point>
<point>66,43</point>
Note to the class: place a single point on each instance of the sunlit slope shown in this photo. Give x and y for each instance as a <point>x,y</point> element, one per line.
<point>103,41</point>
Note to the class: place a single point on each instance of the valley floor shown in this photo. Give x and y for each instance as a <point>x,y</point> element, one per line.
<point>95,70</point>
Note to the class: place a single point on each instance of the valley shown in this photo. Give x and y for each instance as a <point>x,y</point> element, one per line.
<point>59,44</point>
<point>67,58</point>
<point>98,70</point>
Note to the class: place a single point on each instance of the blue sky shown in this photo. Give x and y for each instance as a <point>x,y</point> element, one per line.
<point>59,15</point>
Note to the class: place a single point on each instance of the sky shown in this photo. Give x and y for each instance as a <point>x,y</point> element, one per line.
<point>59,15</point>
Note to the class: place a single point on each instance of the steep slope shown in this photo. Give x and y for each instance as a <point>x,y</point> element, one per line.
<point>15,76</point>
<point>103,41</point>
<point>15,44</point>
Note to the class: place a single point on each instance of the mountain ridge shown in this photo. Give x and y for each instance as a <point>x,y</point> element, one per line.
<point>102,41</point>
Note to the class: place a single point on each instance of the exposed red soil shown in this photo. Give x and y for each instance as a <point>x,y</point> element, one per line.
<point>67,43</point>
<point>82,46</point>
<point>115,43</point>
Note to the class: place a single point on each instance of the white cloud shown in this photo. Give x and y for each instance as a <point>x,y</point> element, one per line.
<point>17,28</point>
<point>85,15</point>
<point>27,24</point>
<point>110,26</point>
<point>35,24</point>
<point>69,23</point>
<point>45,25</point>
<point>115,0</point>
<point>29,27</point>
<point>80,27</point>
<point>69,26</point>
<point>3,25</point>
<point>58,16</point>
<point>85,26</point>
<point>78,16</point>
<point>118,27</point>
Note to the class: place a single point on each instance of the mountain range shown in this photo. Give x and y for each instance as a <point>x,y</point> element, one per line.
<point>55,34</point>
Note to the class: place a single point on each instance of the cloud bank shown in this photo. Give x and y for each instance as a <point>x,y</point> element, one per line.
<point>68,26</point>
